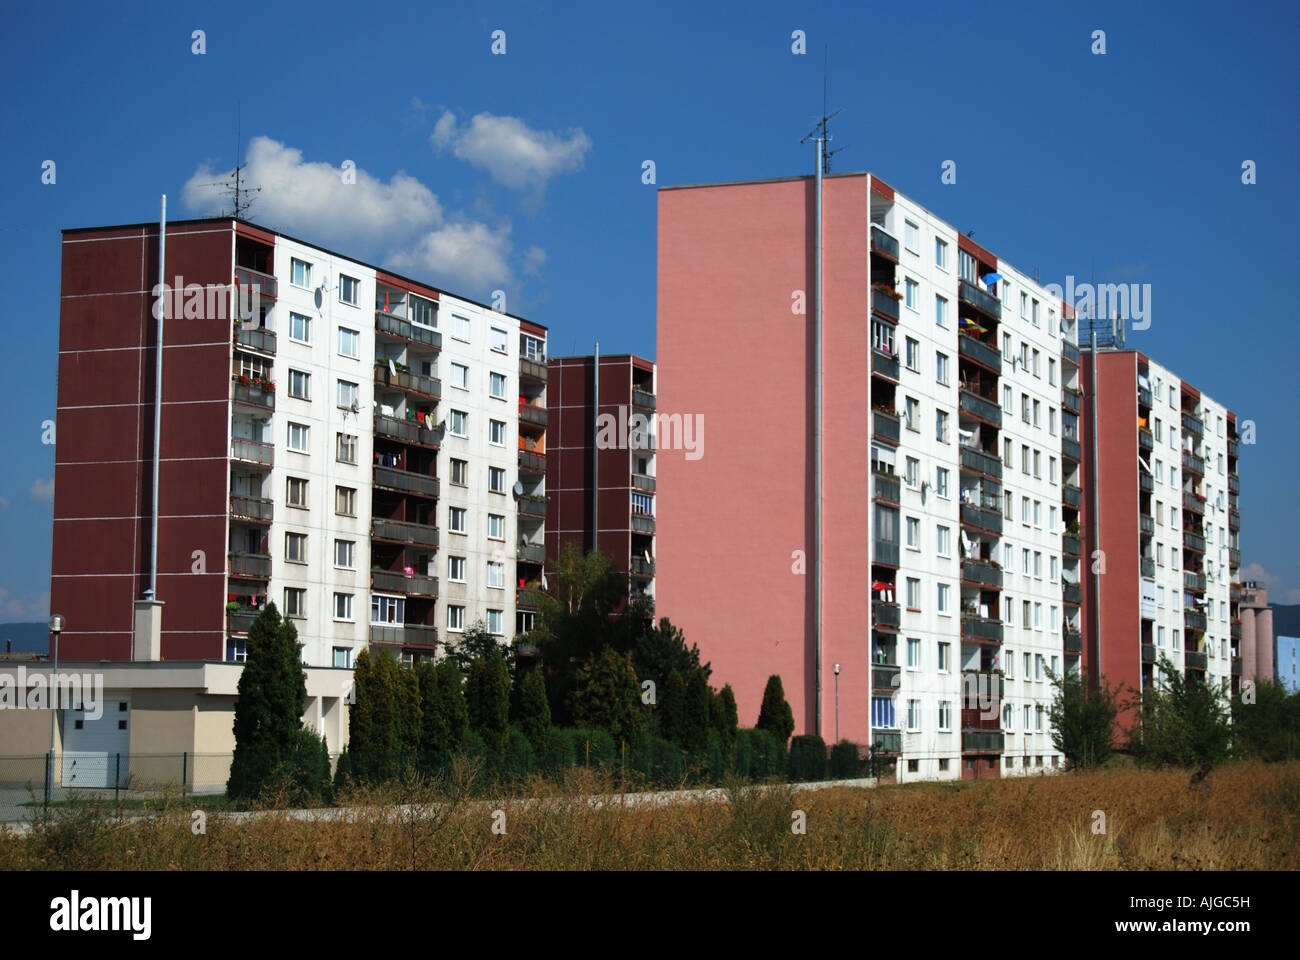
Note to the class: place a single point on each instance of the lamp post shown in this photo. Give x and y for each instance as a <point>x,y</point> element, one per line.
<point>56,624</point>
<point>837,703</point>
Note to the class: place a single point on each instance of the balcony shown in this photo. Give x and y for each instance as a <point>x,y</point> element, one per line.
<point>1148,653</point>
<point>1193,425</point>
<point>1144,397</point>
<point>404,481</point>
<point>1193,541</point>
<point>643,483</point>
<point>1234,483</point>
<point>981,408</point>
<point>981,629</point>
<point>252,451</point>
<point>1070,352</point>
<point>251,509</point>
<point>643,399</point>
<point>1146,525</point>
<point>1073,641</point>
<point>250,566</point>
<point>884,426</point>
<point>241,621</point>
<point>531,552</point>
<point>533,505</point>
<point>1236,666</point>
<point>885,677</point>
<point>885,616</point>
<point>982,741</point>
<point>411,584</point>
<point>1194,660</point>
<point>532,462</point>
<point>979,352</point>
<point>643,523</point>
<point>1146,482</point>
<point>1070,449</point>
<point>884,244</point>
<point>885,365</point>
<point>1234,557</point>
<point>533,369</point>
<point>885,487</point>
<point>1236,629</point>
<point>982,686</point>
<point>403,329</point>
<point>981,572</point>
<point>979,462</point>
<point>641,567</point>
<point>405,431</point>
<point>1070,400</point>
<point>532,413</point>
<point>1234,519</point>
<point>1193,620</point>
<point>985,303</point>
<point>268,286</point>
<point>1072,496</point>
<point>252,395</point>
<point>1072,593</point>
<point>884,303</point>
<point>1072,545</point>
<point>1193,464</point>
<point>885,551</point>
<point>1194,582</point>
<point>1234,448</point>
<point>408,382</point>
<point>981,518</point>
<point>1147,565</point>
<point>887,741</point>
<point>255,338</point>
<point>1145,440</point>
<point>1192,503</point>
<point>409,634</point>
<point>402,532</point>
<point>528,598</point>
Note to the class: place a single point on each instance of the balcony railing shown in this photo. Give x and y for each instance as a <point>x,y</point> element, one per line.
<point>1193,620</point>
<point>1193,503</point>
<point>257,509</point>
<point>885,614</point>
<point>1193,425</point>
<point>405,431</point>
<point>246,277</point>
<point>885,487</point>
<point>406,635</point>
<point>406,482</point>
<point>982,686</point>
<point>981,629</point>
<point>1193,541</point>
<point>532,508</point>
<point>1148,653</point>
<point>643,399</point>
<point>1194,660</point>
<point>642,482</point>
<point>1072,496</point>
<point>1073,641</point>
<point>979,351</point>
<point>981,407</point>
<point>403,532</point>
<point>884,304</point>
<point>1146,524</point>
<point>531,552</point>
<point>1234,519</point>
<point>241,621</point>
<point>642,523</point>
<point>1146,482</point>
<point>1236,629</point>
<point>1144,397</point>
<point>885,676</point>
<point>1147,565</point>
<point>884,426</point>
<point>1145,439</point>
<point>1070,352</point>
<point>532,462</point>
<point>1070,400</point>
<point>1234,557</point>
<point>980,462</point>
<point>981,518</point>
<point>533,369</point>
<point>255,566</point>
<point>884,243</point>
<point>407,381</point>
<point>884,364</point>
<point>411,584</point>
<point>982,572</point>
<point>396,326</point>
<point>982,741</point>
<point>1070,449</point>
<point>1236,666</point>
<point>528,598</point>
<point>1193,464</point>
<point>252,396</point>
<point>641,567</point>
<point>984,302</point>
<point>255,338</point>
<point>1234,483</point>
<point>887,741</point>
<point>252,451</point>
<point>885,551</point>
<point>1072,545</point>
<point>1072,593</point>
<point>1234,448</point>
<point>532,413</point>
<point>1194,581</point>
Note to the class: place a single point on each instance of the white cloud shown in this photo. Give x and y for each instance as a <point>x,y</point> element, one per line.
<point>464,257</point>
<point>42,490</point>
<point>311,199</point>
<point>510,151</point>
<point>4,503</point>
<point>534,257</point>
<point>1276,592</point>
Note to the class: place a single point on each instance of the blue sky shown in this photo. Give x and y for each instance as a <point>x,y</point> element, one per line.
<point>522,171</point>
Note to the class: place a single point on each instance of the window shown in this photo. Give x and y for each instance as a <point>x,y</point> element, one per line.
<point>1024,407</point>
<point>456,569</point>
<point>1011,656</point>
<point>494,622</point>
<point>943,541</point>
<point>941,482</point>
<point>1024,356</point>
<point>1008,723</point>
<point>349,395</point>
<point>298,437</point>
<point>1033,313</point>
<point>295,547</point>
<point>913,715</point>
<point>460,328</point>
<point>911,293</point>
<point>940,310</point>
<point>459,376</point>
<point>295,602</point>
<point>345,501</point>
<point>1175,639</point>
<point>911,235</point>
<point>1038,464</point>
<point>1038,565</point>
<point>913,533</point>
<point>1051,371</point>
<point>459,472</point>
<point>1024,305</point>
<point>299,385</point>
<point>940,253</point>
<point>458,423</point>
<point>343,606</point>
<point>1024,459</point>
<point>882,337</point>
<point>911,413</point>
<point>1027,662</point>
<point>1008,453</point>
<point>295,494</point>
<point>497,432</point>
<point>1006,347</point>
<point>423,312</point>
<point>966,266</point>
<point>1037,412</point>
<point>349,289</point>
<point>945,590</point>
<point>343,658</point>
<point>1025,515</point>
<point>496,526</point>
<point>912,350</point>
<point>643,505</point>
<point>1160,636</point>
<point>945,715</point>
<point>945,656</point>
<point>1035,365</point>
<point>497,479</point>
<point>1051,470</point>
<point>941,367</point>
<point>300,272</point>
<point>345,448</point>
<point>912,471</point>
<point>1009,500</point>
<point>913,593</point>
<point>496,574</point>
<point>497,385</point>
<point>1053,568</point>
<point>497,340</point>
<point>345,554</point>
<point>456,519</point>
<point>349,343</point>
<point>1008,400</point>
<point>455,618</point>
<point>941,426</point>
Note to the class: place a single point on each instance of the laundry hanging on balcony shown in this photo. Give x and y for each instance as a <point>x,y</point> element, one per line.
<point>970,326</point>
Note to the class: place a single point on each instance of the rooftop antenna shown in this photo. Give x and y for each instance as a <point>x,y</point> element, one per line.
<point>821,124</point>
<point>240,201</point>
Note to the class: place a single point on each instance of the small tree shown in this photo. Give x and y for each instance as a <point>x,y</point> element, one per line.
<point>534,710</point>
<point>444,715</point>
<point>1266,722</point>
<point>1083,720</point>
<point>487,694</point>
<point>724,717</point>
<point>670,710</point>
<point>477,644</point>
<point>1181,721</point>
<point>775,715</point>
<point>609,696</point>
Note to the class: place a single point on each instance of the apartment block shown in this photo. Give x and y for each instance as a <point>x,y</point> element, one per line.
<point>601,464</point>
<point>1163,482</point>
<point>948,581</point>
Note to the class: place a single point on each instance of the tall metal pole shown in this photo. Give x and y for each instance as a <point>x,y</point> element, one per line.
<point>1094,520</point>
<point>595,450</point>
<point>817,430</point>
<point>152,592</point>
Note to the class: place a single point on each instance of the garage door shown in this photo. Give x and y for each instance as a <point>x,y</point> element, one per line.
<point>91,745</point>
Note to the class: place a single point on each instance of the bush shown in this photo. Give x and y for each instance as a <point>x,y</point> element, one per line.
<point>775,715</point>
<point>560,754</point>
<point>593,748</point>
<point>844,761</point>
<point>519,760</point>
<point>759,755</point>
<point>657,759</point>
<point>807,758</point>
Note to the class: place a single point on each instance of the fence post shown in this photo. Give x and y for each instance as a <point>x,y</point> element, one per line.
<point>185,769</point>
<point>117,780</point>
<point>49,777</point>
<point>588,760</point>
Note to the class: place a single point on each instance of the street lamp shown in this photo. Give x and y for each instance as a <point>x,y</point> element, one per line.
<point>837,703</point>
<point>56,624</point>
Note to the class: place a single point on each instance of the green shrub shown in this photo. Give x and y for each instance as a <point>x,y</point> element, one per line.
<point>560,754</point>
<point>807,758</point>
<point>593,748</point>
<point>844,761</point>
<point>657,759</point>
<point>762,753</point>
<point>519,760</point>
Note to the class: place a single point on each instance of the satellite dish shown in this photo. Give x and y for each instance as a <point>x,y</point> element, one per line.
<point>519,489</point>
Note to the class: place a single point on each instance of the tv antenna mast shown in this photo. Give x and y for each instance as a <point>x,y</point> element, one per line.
<point>234,184</point>
<point>821,131</point>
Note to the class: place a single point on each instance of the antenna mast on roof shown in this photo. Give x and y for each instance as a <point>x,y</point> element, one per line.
<point>234,184</point>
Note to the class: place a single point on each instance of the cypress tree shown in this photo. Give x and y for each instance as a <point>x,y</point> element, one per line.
<point>775,715</point>
<point>534,710</point>
<point>487,694</point>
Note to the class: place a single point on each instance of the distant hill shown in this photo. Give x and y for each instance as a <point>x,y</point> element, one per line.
<point>25,637</point>
<point>1286,619</point>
